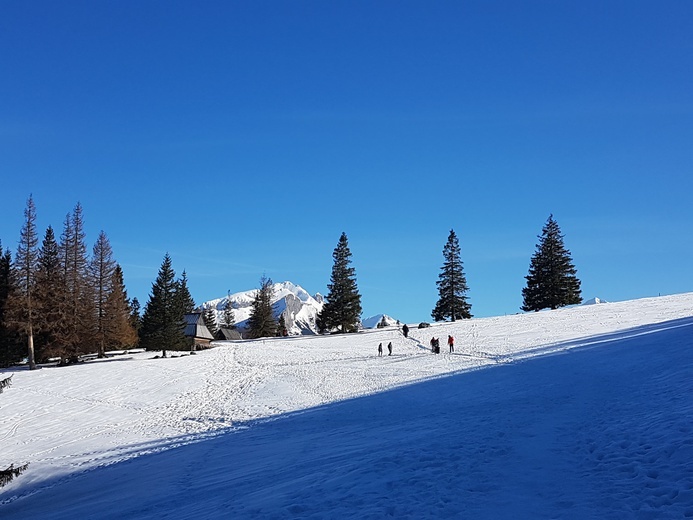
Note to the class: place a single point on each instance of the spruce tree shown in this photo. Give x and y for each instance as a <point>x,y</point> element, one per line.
<point>210,318</point>
<point>162,323</point>
<point>229,315</point>
<point>552,280</point>
<point>118,329</point>
<point>185,299</point>
<point>101,270</point>
<point>10,346</point>
<point>50,300</point>
<point>135,318</point>
<point>452,285</point>
<point>21,301</point>
<point>342,309</point>
<point>262,323</point>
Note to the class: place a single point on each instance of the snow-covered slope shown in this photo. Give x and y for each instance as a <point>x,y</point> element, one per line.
<point>298,307</point>
<point>373,321</point>
<point>573,413</point>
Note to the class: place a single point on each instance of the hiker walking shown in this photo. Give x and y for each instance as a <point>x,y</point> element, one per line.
<point>433,344</point>
<point>451,344</point>
<point>380,350</point>
<point>389,348</point>
<point>405,330</point>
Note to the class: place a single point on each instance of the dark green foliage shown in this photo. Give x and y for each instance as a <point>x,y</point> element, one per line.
<point>185,299</point>
<point>135,318</point>
<point>452,285</point>
<point>229,316</point>
<point>11,348</point>
<point>552,280</point>
<point>281,328</point>
<point>342,309</point>
<point>261,323</point>
<point>162,323</point>
<point>210,318</point>
<point>50,301</point>
<point>7,475</point>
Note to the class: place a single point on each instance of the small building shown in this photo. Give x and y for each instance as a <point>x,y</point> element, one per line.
<point>228,334</point>
<point>196,331</point>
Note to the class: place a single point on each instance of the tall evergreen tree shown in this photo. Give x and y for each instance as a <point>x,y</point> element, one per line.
<point>229,315</point>
<point>262,323</point>
<point>79,299</point>
<point>162,323</point>
<point>10,346</point>
<point>342,309</point>
<point>101,270</point>
<point>21,301</point>
<point>118,329</point>
<point>50,300</point>
<point>552,280</point>
<point>135,318</point>
<point>452,285</point>
<point>210,318</point>
<point>185,299</point>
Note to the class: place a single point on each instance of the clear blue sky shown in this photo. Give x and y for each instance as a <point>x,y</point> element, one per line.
<point>244,137</point>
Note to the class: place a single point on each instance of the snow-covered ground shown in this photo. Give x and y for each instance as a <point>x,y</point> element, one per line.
<point>578,413</point>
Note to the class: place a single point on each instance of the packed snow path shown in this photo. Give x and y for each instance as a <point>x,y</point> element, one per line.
<point>602,431</point>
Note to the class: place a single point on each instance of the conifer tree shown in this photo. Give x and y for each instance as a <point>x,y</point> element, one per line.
<point>10,347</point>
<point>162,323</point>
<point>21,300</point>
<point>210,319</point>
<point>281,326</point>
<point>50,300</point>
<point>552,280</point>
<point>118,330</point>
<point>229,315</point>
<point>452,285</point>
<point>185,299</point>
<point>342,309</point>
<point>79,303</point>
<point>101,270</point>
<point>262,323</point>
<point>135,318</point>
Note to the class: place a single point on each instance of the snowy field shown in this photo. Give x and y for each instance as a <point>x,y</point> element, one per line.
<point>579,413</point>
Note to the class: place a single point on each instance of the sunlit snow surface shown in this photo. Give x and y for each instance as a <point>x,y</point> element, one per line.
<point>578,413</point>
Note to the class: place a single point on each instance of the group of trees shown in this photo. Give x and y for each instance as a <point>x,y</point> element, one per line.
<point>56,301</point>
<point>551,283</point>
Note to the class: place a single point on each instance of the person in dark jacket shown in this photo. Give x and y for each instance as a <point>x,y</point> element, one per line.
<point>380,349</point>
<point>405,330</point>
<point>389,348</point>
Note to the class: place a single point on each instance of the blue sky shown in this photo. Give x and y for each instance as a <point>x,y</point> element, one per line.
<point>244,137</point>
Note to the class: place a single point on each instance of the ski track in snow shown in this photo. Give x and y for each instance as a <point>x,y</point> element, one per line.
<point>63,424</point>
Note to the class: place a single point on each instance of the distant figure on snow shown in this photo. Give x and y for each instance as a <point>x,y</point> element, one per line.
<point>380,349</point>
<point>451,343</point>
<point>433,344</point>
<point>389,348</point>
<point>405,330</point>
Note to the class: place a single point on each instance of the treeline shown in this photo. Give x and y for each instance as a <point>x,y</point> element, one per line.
<point>58,302</point>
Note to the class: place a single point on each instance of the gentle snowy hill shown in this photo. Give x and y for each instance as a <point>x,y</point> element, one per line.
<point>573,413</point>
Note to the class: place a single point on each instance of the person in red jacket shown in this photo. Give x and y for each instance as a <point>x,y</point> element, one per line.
<point>451,343</point>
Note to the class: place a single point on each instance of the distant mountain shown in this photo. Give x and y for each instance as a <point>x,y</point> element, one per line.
<point>373,321</point>
<point>295,303</point>
<point>594,301</point>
